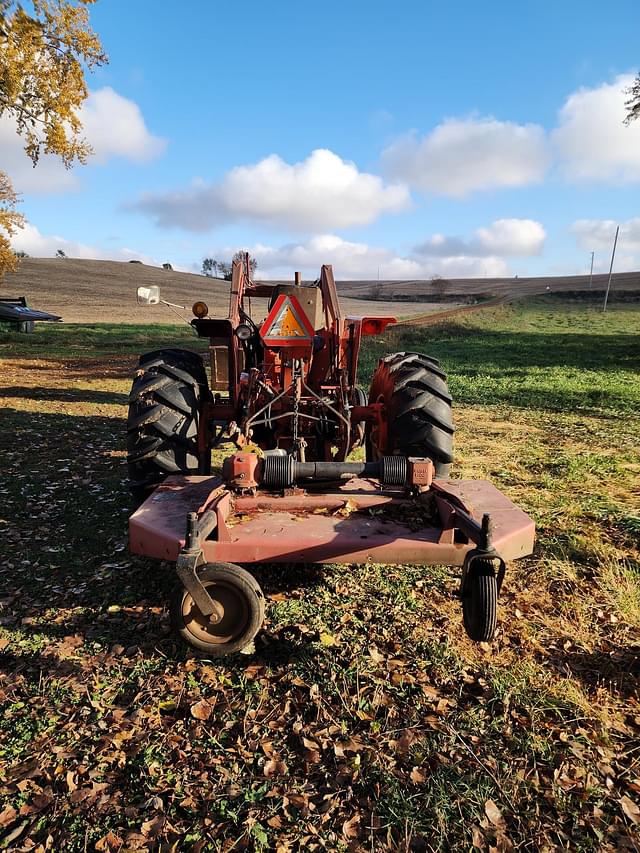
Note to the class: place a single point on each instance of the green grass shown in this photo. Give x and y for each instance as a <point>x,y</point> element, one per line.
<point>98,339</point>
<point>397,733</point>
<point>536,356</point>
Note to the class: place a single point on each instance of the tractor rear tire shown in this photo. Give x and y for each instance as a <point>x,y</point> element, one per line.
<point>164,415</point>
<point>480,601</point>
<point>414,391</point>
<point>242,601</point>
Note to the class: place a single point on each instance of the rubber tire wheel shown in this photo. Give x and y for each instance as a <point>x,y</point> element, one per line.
<point>231,578</point>
<point>164,414</point>
<point>480,601</point>
<point>414,390</point>
<point>358,431</point>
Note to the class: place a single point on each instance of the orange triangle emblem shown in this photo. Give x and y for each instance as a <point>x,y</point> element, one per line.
<point>287,324</point>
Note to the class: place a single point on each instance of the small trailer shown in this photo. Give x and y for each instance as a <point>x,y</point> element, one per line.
<point>15,311</point>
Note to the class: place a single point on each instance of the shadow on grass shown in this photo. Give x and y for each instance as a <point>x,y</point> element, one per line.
<point>524,369</point>
<point>65,395</point>
<point>468,349</point>
<point>66,544</point>
<point>615,668</point>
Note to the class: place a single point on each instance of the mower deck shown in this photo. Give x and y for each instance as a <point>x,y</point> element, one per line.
<point>357,522</point>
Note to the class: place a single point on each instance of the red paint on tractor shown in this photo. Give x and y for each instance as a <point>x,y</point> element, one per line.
<point>331,527</point>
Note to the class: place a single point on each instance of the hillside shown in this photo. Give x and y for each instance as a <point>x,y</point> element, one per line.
<point>464,287</point>
<point>84,291</point>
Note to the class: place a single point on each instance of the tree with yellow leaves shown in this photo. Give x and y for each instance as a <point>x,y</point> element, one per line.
<point>633,103</point>
<point>44,55</point>
<point>10,220</point>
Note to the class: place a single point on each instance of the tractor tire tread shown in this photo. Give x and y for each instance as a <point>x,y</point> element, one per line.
<point>418,407</point>
<point>414,359</point>
<point>164,411</point>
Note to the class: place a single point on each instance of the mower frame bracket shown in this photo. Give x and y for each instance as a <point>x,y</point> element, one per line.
<point>189,561</point>
<point>482,554</point>
<point>480,534</point>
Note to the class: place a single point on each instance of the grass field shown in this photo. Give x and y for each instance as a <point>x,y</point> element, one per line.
<point>364,720</point>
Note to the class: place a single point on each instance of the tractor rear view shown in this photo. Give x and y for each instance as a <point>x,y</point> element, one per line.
<point>284,391</point>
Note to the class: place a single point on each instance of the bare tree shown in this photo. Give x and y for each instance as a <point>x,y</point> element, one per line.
<point>240,256</point>
<point>439,285</point>
<point>221,269</point>
<point>210,267</point>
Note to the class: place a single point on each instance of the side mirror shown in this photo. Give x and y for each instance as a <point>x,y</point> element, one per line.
<point>148,295</point>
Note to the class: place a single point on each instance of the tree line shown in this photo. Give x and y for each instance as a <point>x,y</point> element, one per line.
<point>221,269</point>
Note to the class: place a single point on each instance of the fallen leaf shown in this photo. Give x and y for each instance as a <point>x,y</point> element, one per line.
<point>493,813</point>
<point>328,640</point>
<point>477,838</point>
<point>375,655</point>
<point>417,776</point>
<point>152,828</point>
<point>346,509</point>
<point>311,751</point>
<point>630,809</point>
<point>109,843</point>
<point>201,710</point>
<point>15,833</point>
<point>350,827</point>
<point>275,767</point>
<point>7,816</point>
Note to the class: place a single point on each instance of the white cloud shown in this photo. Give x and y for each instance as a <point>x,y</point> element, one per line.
<point>591,139</point>
<point>515,237</point>
<point>320,192</point>
<point>361,261</point>
<point>30,240</point>
<point>50,176</point>
<point>113,126</point>
<point>461,156</point>
<point>523,237</point>
<point>598,234</point>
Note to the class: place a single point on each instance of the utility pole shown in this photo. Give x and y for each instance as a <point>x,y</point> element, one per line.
<point>591,273</point>
<point>613,254</point>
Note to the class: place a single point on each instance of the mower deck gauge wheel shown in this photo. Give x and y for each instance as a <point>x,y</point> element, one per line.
<point>242,602</point>
<point>480,601</point>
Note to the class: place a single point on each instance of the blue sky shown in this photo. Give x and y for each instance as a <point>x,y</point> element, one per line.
<point>452,138</point>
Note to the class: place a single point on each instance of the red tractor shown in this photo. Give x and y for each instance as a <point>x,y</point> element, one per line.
<point>284,391</point>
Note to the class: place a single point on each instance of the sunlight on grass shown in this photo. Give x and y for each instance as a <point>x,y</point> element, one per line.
<point>388,727</point>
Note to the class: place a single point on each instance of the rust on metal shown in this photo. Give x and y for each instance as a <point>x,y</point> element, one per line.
<point>337,526</point>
